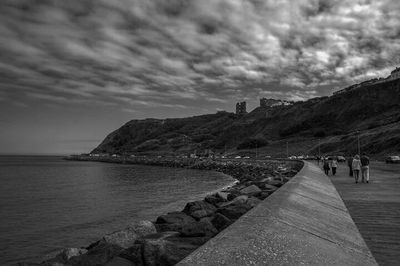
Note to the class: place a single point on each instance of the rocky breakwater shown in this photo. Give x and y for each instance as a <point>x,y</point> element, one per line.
<point>175,235</point>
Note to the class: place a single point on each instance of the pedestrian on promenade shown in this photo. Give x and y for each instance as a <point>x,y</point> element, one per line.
<point>334,165</point>
<point>349,164</point>
<point>326,167</point>
<point>364,168</point>
<point>356,165</point>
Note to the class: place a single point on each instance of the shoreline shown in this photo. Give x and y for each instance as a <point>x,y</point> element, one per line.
<point>173,236</point>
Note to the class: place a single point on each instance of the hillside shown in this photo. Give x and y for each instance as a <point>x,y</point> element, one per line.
<point>372,110</point>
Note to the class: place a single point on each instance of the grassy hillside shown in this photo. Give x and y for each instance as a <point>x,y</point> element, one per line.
<point>372,112</point>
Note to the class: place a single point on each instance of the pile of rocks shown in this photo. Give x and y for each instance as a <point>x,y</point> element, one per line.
<point>175,235</point>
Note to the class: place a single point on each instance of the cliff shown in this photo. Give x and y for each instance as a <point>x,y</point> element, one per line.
<point>371,111</point>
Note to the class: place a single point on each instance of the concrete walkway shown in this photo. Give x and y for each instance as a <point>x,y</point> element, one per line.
<point>305,222</point>
<point>375,209</point>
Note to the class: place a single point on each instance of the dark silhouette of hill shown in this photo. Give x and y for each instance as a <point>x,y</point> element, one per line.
<point>371,112</point>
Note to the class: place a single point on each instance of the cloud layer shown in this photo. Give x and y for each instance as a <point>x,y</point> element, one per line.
<point>178,53</point>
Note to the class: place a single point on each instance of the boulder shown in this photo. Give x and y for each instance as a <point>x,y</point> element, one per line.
<point>263,194</point>
<point>212,199</point>
<point>233,194</point>
<point>221,222</point>
<point>234,211</point>
<point>199,209</point>
<point>173,221</point>
<point>252,189</point>
<point>160,250</point>
<point>253,201</point>
<point>125,238</point>
<point>135,254</point>
<point>98,255</point>
<point>118,261</point>
<point>270,187</point>
<point>204,227</point>
<point>223,195</point>
<point>276,183</point>
<point>238,200</point>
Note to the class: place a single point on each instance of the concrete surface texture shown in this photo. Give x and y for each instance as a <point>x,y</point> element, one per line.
<point>375,208</point>
<point>304,223</point>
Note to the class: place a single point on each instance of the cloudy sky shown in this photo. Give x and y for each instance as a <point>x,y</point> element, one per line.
<point>72,71</point>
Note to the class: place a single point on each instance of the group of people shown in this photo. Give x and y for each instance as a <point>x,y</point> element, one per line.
<point>357,165</point>
<point>330,164</point>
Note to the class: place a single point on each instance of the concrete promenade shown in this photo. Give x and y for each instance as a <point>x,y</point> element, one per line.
<point>304,223</point>
<point>375,209</point>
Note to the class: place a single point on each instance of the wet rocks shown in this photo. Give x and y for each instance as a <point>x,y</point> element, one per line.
<point>125,238</point>
<point>221,222</point>
<point>173,221</point>
<point>199,209</point>
<point>251,189</point>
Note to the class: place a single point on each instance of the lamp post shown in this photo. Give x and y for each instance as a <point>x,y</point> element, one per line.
<point>358,143</point>
<point>287,149</point>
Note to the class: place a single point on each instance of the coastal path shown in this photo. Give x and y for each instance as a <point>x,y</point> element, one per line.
<point>375,208</point>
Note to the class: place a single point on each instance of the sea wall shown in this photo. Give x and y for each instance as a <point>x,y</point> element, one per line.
<point>304,223</point>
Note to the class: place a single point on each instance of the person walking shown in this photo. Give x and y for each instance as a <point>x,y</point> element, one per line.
<point>356,165</point>
<point>334,165</point>
<point>364,168</point>
<point>349,164</point>
<point>326,167</point>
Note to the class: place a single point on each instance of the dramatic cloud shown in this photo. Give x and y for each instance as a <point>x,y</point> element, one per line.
<point>178,53</point>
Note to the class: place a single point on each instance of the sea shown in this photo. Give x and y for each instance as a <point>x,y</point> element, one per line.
<point>47,203</point>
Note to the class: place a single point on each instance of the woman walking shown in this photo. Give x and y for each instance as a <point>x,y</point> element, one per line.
<point>334,165</point>
<point>326,166</point>
<point>356,165</point>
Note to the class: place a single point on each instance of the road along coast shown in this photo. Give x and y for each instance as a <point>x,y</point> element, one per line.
<point>173,236</point>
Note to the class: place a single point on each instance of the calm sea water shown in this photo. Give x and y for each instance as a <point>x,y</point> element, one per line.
<point>47,203</point>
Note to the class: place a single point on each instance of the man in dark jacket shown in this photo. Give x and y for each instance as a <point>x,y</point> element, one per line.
<point>350,164</point>
<point>364,168</point>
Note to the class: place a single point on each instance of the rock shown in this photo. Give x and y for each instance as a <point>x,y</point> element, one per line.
<point>234,211</point>
<point>98,255</point>
<point>167,251</point>
<point>223,195</point>
<point>238,200</point>
<point>270,187</point>
<point>221,222</point>
<point>250,190</point>
<point>276,183</point>
<point>263,194</point>
<point>233,194</point>
<point>68,253</point>
<point>143,227</point>
<point>125,238</point>
<point>118,261</point>
<point>253,201</point>
<point>173,221</point>
<point>204,227</point>
<point>212,199</point>
<point>199,209</point>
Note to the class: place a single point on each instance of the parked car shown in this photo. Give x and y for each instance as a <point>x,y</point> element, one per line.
<point>393,159</point>
<point>341,159</point>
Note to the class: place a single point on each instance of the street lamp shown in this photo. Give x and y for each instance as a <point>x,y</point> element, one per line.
<point>287,149</point>
<point>358,143</point>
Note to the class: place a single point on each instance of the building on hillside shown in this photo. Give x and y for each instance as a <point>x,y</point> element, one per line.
<point>395,74</point>
<point>264,102</point>
<point>241,108</point>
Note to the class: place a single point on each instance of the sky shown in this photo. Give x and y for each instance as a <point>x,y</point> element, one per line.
<point>73,71</point>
